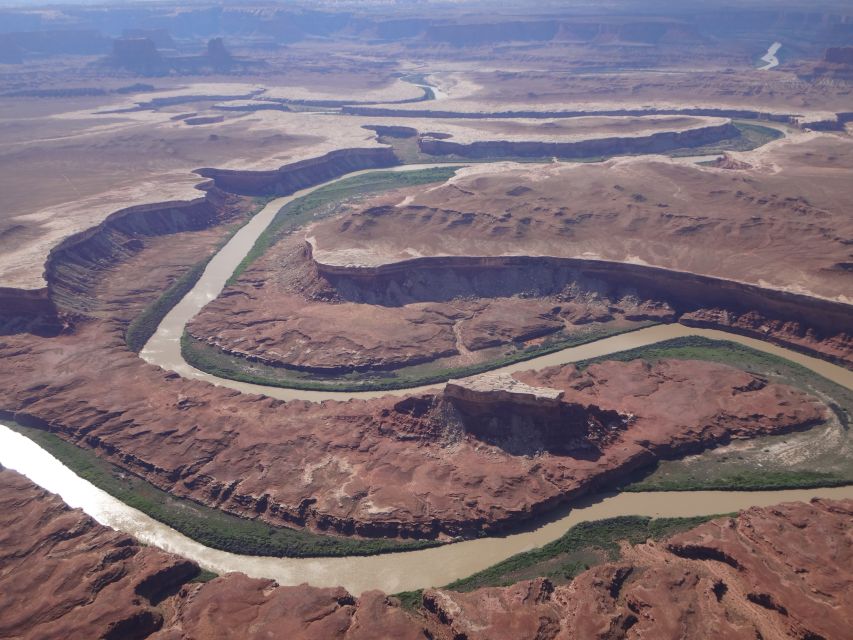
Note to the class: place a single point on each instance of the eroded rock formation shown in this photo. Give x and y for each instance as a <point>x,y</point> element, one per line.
<point>300,175</point>
<point>289,311</point>
<point>771,573</point>
<point>607,146</point>
<point>760,242</point>
<point>776,573</point>
<point>62,575</point>
<point>356,470</point>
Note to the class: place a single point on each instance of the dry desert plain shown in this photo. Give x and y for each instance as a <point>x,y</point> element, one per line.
<point>520,324</point>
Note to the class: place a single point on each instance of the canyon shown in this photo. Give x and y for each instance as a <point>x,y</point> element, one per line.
<point>417,290</point>
<point>436,263</point>
<point>720,575</point>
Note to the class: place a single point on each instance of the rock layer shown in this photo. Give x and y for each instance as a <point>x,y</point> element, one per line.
<point>62,575</point>
<point>775,573</point>
<point>299,175</point>
<point>292,312</point>
<point>819,326</point>
<point>608,146</point>
<point>358,469</point>
<point>770,240</point>
<point>415,467</point>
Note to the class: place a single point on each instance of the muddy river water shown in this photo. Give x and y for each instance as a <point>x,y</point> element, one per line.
<point>399,571</point>
<point>390,572</point>
<point>164,347</point>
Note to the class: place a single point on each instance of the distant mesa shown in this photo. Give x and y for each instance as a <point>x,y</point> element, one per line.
<point>218,55</point>
<point>15,46</point>
<point>139,55</point>
<point>839,55</point>
<point>837,63</point>
<point>143,56</point>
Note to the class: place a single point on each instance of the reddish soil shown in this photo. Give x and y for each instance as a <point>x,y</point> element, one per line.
<point>63,575</point>
<point>776,573</point>
<point>419,466</point>
<point>778,221</point>
<point>424,466</point>
<point>282,312</point>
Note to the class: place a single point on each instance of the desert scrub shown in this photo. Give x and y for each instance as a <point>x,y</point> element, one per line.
<point>212,360</point>
<point>584,545</point>
<point>141,328</point>
<point>210,527</point>
<point>410,600</point>
<point>325,201</point>
<point>750,136</point>
<point>821,456</point>
<point>205,576</point>
<point>745,480</point>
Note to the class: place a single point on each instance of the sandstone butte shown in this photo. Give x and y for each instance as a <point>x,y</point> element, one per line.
<point>504,253</point>
<point>424,466</point>
<point>771,573</point>
<point>284,312</point>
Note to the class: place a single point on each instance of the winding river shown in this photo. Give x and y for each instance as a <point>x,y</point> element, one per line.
<point>399,571</point>
<point>770,58</point>
<point>164,347</point>
<point>390,572</point>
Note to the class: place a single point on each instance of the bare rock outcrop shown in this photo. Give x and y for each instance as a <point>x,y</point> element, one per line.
<point>299,175</point>
<point>356,470</point>
<point>651,143</point>
<point>497,388</point>
<point>839,55</point>
<point>63,575</point>
<point>236,606</point>
<point>779,572</point>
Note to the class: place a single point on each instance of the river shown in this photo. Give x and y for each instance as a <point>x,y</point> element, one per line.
<point>164,347</point>
<point>770,57</point>
<point>399,571</point>
<point>390,572</point>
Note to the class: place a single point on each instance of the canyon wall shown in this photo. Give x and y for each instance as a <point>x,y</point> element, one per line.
<point>29,310</point>
<point>749,114</point>
<point>812,325</point>
<point>73,266</point>
<point>653,143</point>
<point>771,572</point>
<point>300,175</point>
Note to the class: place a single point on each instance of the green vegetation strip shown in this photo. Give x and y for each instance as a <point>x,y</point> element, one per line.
<point>582,546</point>
<point>325,201</point>
<point>212,360</point>
<point>750,136</point>
<point>141,328</point>
<point>747,480</point>
<point>710,472</point>
<point>208,526</point>
<point>730,353</point>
